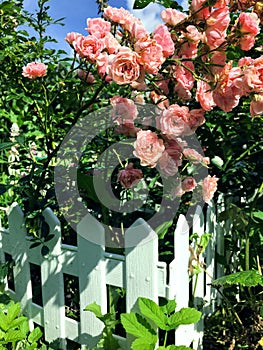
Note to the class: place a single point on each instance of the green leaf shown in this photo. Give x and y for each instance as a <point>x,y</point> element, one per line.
<point>169,307</point>
<point>136,325</point>
<point>14,336</point>
<point>249,278</point>
<point>24,327</point>
<point>142,344</point>
<point>95,308</point>
<point>151,310</point>
<point>162,229</point>
<point>141,4</point>
<point>17,322</point>
<point>34,245</point>
<point>6,145</point>
<point>44,251</point>
<point>13,312</point>
<point>35,335</point>
<point>217,161</point>
<point>204,240</point>
<point>258,214</point>
<point>184,316</point>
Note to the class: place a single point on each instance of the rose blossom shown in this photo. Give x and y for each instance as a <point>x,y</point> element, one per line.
<point>188,184</point>
<point>209,187</point>
<point>88,47</point>
<point>150,54</point>
<point>193,155</point>
<point>167,165</point>
<point>163,37</point>
<point>123,108</point>
<point>127,128</point>
<point>204,95</point>
<point>148,148</point>
<point>117,15</point>
<point>124,67</point>
<point>256,105</point>
<point>98,27</point>
<point>172,17</point>
<point>85,76</point>
<point>129,177</point>
<point>34,70</point>
<point>111,43</point>
<point>70,37</point>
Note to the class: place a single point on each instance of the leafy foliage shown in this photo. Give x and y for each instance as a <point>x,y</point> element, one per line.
<point>250,278</point>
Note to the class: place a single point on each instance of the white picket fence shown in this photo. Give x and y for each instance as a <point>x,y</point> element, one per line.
<point>139,271</point>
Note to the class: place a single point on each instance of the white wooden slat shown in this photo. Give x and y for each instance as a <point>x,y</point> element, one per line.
<point>179,277</point>
<point>92,278</point>
<point>198,280</point>
<point>53,284</point>
<point>19,253</point>
<point>141,251</point>
<point>210,293</point>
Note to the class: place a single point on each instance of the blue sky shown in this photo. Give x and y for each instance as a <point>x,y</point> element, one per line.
<point>76,13</point>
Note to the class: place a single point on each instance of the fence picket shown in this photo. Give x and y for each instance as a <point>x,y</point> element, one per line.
<point>139,271</point>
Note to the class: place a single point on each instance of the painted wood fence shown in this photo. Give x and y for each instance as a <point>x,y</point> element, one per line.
<point>139,271</point>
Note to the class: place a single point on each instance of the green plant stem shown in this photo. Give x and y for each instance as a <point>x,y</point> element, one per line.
<point>165,338</point>
<point>247,252</point>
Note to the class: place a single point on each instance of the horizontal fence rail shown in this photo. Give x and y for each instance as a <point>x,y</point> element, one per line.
<point>138,271</point>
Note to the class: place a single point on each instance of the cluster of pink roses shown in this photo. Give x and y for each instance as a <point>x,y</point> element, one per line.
<point>163,64</point>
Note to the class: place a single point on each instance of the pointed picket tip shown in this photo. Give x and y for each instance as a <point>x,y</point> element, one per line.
<point>14,211</point>
<point>91,230</point>
<point>182,226</point>
<point>139,233</point>
<point>51,219</point>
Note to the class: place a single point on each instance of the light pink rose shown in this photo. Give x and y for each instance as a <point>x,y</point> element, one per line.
<point>70,37</point>
<point>167,165</point>
<point>34,70</point>
<point>214,37</point>
<point>87,77</point>
<point>184,75</point>
<point>163,37</point>
<point>111,43</point>
<point>249,23</point>
<point>174,121</point>
<point>160,100</point>
<point>130,177</point>
<point>150,55</point>
<point>209,188</point>
<point>148,148</point>
<point>226,95</point>
<point>123,108</point>
<point>192,155</point>
<point>127,128</point>
<point>117,15</point>
<point>172,17</point>
<point>88,47</point>
<point>102,62</point>
<point>196,118</point>
<point>182,93</point>
<point>124,67</point>
<point>219,19</point>
<point>199,9</point>
<point>249,81</point>
<point>98,27</point>
<point>138,30</point>
<point>256,105</point>
<point>188,184</point>
<point>204,95</point>
<point>247,42</point>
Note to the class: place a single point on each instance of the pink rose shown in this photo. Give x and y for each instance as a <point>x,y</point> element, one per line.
<point>172,17</point>
<point>87,77</point>
<point>124,67</point>
<point>209,188</point>
<point>204,95</point>
<point>148,148</point>
<point>199,9</point>
<point>88,47</point>
<point>127,128</point>
<point>123,108</point>
<point>175,121</point>
<point>256,105</point>
<point>196,118</point>
<point>117,15</point>
<point>184,76</point>
<point>111,43</point>
<point>188,184</point>
<point>70,37</point>
<point>138,30</point>
<point>163,37</point>
<point>175,148</point>
<point>192,155</point>
<point>102,65</point>
<point>129,177</point>
<point>150,54</point>
<point>249,23</point>
<point>34,70</point>
<point>167,165</point>
<point>98,27</point>
<point>219,19</point>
